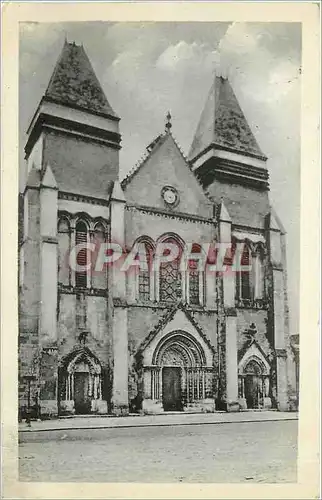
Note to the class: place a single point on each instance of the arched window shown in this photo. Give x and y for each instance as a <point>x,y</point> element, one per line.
<point>145,276</point>
<point>63,251</point>
<point>259,274</point>
<point>81,238</point>
<point>195,277</point>
<point>99,276</point>
<point>244,289</point>
<point>170,278</point>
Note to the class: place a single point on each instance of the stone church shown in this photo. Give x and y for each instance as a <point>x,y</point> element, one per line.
<point>152,339</point>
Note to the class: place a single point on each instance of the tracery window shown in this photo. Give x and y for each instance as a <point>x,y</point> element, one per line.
<point>195,277</point>
<point>170,279</point>
<point>194,284</point>
<point>182,278</point>
<point>145,282</point>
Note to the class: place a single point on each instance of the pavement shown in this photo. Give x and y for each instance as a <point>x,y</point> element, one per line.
<point>161,420</point>
<point>252,452</point>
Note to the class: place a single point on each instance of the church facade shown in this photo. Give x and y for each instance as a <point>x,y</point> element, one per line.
<point>156,335</point>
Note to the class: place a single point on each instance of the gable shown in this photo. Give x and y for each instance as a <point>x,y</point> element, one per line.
<point>166,166</point>
<point>253,351</point>
<point>178,320</point>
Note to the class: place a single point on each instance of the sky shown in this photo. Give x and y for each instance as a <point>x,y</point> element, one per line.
<point>147,69</point>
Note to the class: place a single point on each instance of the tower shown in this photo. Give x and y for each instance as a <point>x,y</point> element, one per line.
<point>230,165</point>
<point>72,158</point>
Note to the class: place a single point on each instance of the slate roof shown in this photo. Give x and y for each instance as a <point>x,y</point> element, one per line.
<point>74,83</point>
<point>223,123</point>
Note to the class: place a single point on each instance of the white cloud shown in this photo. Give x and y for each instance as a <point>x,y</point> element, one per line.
<point>238,40</point>
<point>185,56</point>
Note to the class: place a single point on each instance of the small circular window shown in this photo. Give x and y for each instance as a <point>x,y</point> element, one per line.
<point>170,196</point>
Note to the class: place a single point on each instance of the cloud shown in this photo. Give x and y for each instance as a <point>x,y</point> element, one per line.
<point>187,56</point>
<point>260,73</point>
<point>238,40</point>
<point>152,75</point>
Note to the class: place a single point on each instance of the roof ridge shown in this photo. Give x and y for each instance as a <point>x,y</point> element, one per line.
<point>51,79</point>
<point>179,148</point>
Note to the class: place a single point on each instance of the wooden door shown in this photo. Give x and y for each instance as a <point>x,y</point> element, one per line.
<point>82,401</point>
<point>252,391</point>
<point>171,388</point>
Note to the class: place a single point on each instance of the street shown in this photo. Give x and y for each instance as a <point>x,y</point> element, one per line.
<point>263,452</point>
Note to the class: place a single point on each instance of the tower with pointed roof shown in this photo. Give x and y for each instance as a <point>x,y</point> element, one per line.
<point>72,160</point>
<point>229,163</point>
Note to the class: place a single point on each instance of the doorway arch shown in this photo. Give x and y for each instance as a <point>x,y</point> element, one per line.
<point>254,383</point>
<point>179,376</point>
<point>80,381</point>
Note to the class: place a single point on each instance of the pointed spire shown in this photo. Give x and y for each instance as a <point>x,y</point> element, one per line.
<point>223,212</point>
<point>74,83</point>
<point>48,179</point>
<point>117,192</point>
<point>223,124</point>
<point>168,124</point>
<point>274,222</point>
<point>33,179</point>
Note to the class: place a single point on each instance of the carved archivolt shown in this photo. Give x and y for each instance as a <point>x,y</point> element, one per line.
<point>181,348</point>
<point>84,363</point>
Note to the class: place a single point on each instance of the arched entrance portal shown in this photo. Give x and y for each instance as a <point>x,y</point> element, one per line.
<point>254,384</point>
<point>81,382</point>
<point>179,374</point>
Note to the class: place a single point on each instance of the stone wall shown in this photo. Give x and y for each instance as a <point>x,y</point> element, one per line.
<point>99,338</point>
<point>141,321</point>
<point>246,317</point>
<point>138,223</point>
<point>165,166</point>
<point>81,166</point>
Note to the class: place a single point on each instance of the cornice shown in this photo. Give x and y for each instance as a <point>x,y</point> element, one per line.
<point>58,124</point>
<point>63,195</point>
<point>170,215</point>
<point>72,290</point>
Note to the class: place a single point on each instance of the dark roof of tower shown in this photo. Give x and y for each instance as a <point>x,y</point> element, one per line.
<point>223,124</point>
<point>74,83</point>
